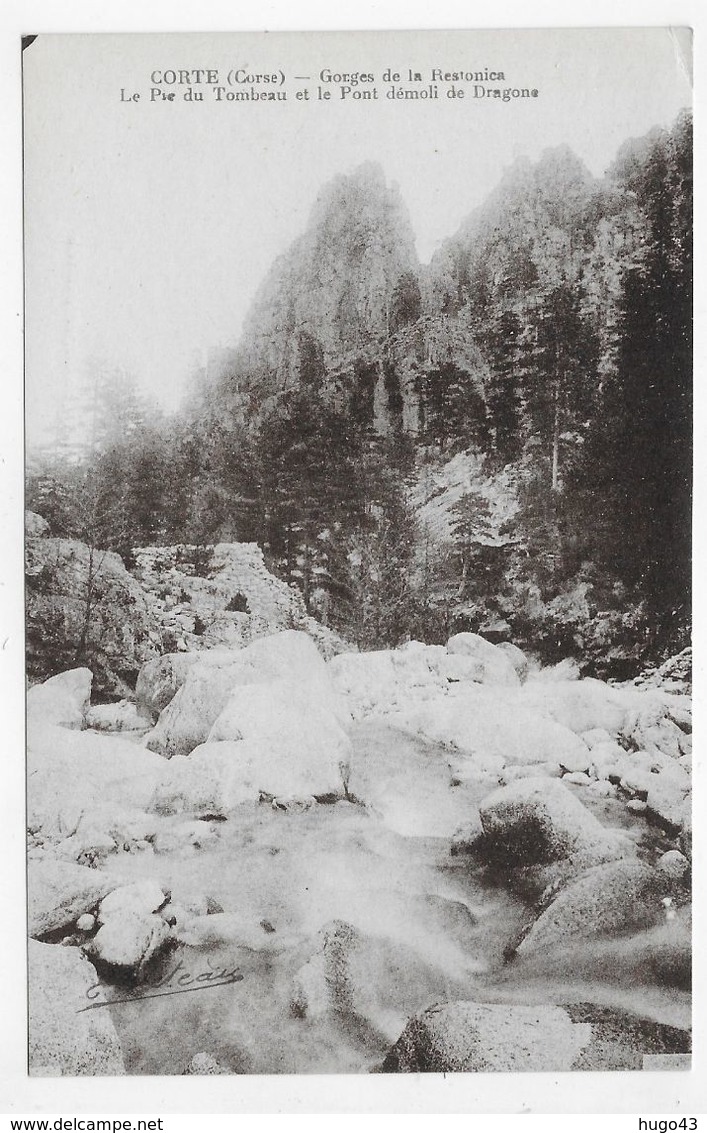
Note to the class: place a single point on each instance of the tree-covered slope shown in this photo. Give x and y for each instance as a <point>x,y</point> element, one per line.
<point>544,356</point>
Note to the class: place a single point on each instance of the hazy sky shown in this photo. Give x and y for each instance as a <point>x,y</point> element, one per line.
<point>149,225</point>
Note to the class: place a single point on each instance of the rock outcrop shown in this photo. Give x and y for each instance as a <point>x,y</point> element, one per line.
<point>328,302</point>
<point>84,607</point>
<point>221,597</point>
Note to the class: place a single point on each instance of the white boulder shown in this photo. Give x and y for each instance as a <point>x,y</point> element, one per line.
<point>609,759</point>
<point>141,897</point>
<point>488,726</point>
<point>296,761</point>
<point>383,681</point>
<point>669,803</point>
<point>494,666</point>
<point>517,658</point>
<point>122,716</point>
<point>198,784</point>
<point>188,718</point>
<point>581,705</point>
<point>596,736</point>
<point>298,707</point>
<point>125,944</point>
<point>63,700</point>
<point>74,775</point>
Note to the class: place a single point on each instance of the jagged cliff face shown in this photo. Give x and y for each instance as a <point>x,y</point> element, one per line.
<point>324,315</point>
<point>535,226</point>
<point>350,314</point>
<point>544,358</point>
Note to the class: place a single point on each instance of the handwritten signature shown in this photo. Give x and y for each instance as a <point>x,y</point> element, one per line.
<point>178,981</point>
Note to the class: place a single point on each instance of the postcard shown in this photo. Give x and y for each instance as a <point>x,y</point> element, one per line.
<point>358,380</point>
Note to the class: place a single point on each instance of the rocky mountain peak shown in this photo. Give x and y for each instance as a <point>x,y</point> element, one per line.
<point>327,300</point>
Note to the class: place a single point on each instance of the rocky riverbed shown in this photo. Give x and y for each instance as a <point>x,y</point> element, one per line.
<point>432,858</point>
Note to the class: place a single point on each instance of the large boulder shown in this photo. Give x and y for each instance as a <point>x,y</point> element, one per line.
<point>62,700</point>
<point>216,777</point>
<point>384,681</point>
<point>140,897</point>
<point>70,1032</point>
<point>581,705</point>
<point>608,760</point>
<point>606,899</point>
<point>291,653</point>
<point>305,708</point>
<point>388,681</point>
<point>493,730</point>
<point>536,821</point>
<point>191,713</point>
<point>670,804</point>
<point>517,658</point>
<point>477,1037</point>
<point>494,665</point>
<point>661,736</point>
<point>59,892</point>
<point>200,784</point>
<point>72,775</point>
<point>188,718</point>
<point>160,678</point>
<point>116,717</point>
<point>123,946</point>
<point>641,719</point>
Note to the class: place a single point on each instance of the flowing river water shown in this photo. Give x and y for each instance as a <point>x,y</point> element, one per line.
<point>430,927</point>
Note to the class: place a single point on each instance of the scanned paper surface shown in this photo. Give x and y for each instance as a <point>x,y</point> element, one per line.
<point>358,385</point>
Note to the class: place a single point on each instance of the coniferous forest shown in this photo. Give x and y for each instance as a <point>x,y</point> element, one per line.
<point>497,441</point>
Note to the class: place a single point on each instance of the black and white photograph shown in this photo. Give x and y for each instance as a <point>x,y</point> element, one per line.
<point>358,544</point>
